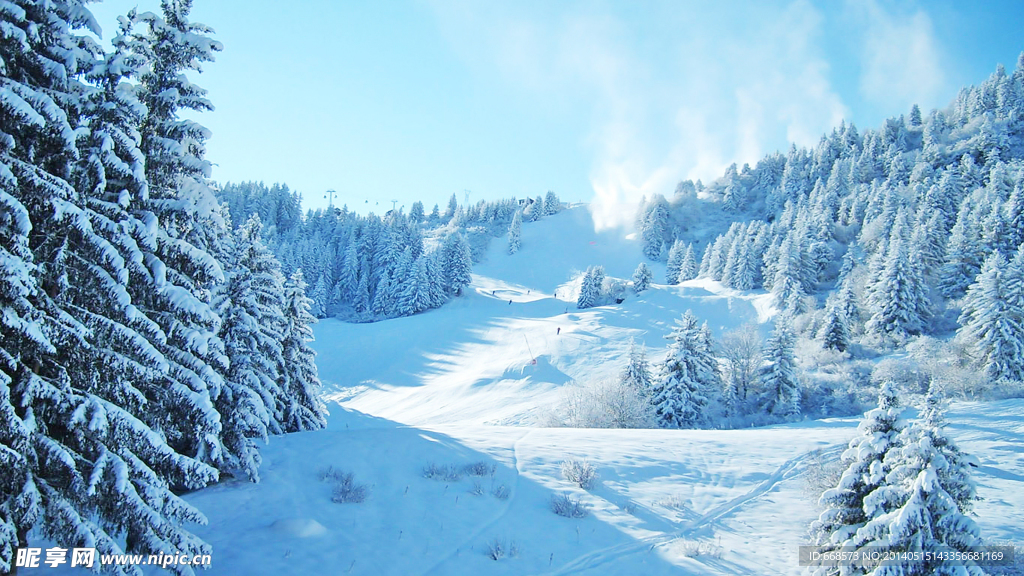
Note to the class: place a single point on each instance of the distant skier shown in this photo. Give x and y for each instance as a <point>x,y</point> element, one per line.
<point>509,302</point>
<point>559,332</point>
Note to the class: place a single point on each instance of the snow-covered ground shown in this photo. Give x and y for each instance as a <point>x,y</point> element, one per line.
<point>740,493</point>
<point>457,386</point>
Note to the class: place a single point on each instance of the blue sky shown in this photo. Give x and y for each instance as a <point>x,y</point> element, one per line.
<point>416,99</point>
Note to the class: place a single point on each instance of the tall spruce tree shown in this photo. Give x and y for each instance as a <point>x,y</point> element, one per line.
<point>689,375</point>
<point>88,466</point>
<point>303,409</point>
<point>778,375</point>
<point>515,232</point>
<point>992,321</point>
<point>845,511</point>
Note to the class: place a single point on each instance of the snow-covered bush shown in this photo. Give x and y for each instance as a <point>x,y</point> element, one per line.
<point>445,472</point>
<point>499,548</point>
<point>480,468</point>
<point>823,473</point>
<point>569,507</point>
<point>501,492</point>
<point>607,403</point>
<point>580,472</point>
<point>695,548</point>
<point>345,488</point>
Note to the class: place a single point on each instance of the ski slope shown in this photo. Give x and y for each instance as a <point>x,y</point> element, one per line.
<point>457,386</point>
<point>472,361</point>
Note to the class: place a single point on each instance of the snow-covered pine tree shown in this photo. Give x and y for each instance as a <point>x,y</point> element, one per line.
<point>590,287</point>
<point>514,232</point>
<point>653,227</point>
<point>249,304</point>
<point>642,278</point>
<point>680,396</point>
<point>689,267</point>
<point>637,374</point>
<point>956,479</point>
<point>675,262</point>
<point>898,298</point>
<point>787,286</point>
<point>912,510</point>
<point>778,375</point>
<point>303,409</point>
<point>456,262</point>
<point>964,255</point>
<point>835,334</point>
<point>453,206</point>
<point>551,204</point>
<point>992,321</point>
<point>87,465</point>
<point>190,223</point>
<point>844,512</point>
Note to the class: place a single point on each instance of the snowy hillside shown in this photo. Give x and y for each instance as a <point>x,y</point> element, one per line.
<point>471,362</point>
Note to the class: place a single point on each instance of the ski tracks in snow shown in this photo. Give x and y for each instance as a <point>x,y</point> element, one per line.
<point>789,469</point>
<point>468,542</point>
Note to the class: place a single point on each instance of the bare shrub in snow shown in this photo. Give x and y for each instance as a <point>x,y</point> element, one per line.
<point>499,548</point>
<point>345,488</point>
<point>580,472</point>
<point>445,472</point>
<point>502,492</point>
<point>477,489</point>
<point>569,507</point>
<point>675,502</point>
<point>695,548</point>
<point>480,468</point>
<point>946,365</point>
<point>609,403</point>
<point>823,473</point>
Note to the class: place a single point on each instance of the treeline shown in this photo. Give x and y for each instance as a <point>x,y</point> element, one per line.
<point>146,348</point>
<point>874,237</point>
<point>369,268</point>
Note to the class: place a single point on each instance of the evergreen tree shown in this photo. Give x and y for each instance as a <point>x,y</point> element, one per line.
<point>675,262</point>
<point>79,373</point>
<point>993,321</point>
<point>457,264</point>
<point>912,510</point>
<point>250,305</point>
<point>551,204</point>
<point>453,206</point>
<point>778,376</point>
<point>787,286</point>
<point>653,227</point>
<point>637,374</point>
<point>590,287</point>
<point>964,255</point>
<point>303,409</point>
<point>514,232</point>
<point>834,334</point>
<point>689,374</point>
<point>898,298</point>
<point>642,278</point>
<point>688,268</point>
<point>845,511</point>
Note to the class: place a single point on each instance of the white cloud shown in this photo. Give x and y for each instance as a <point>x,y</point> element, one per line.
<point>900,58</point>
<point>708,89</point>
